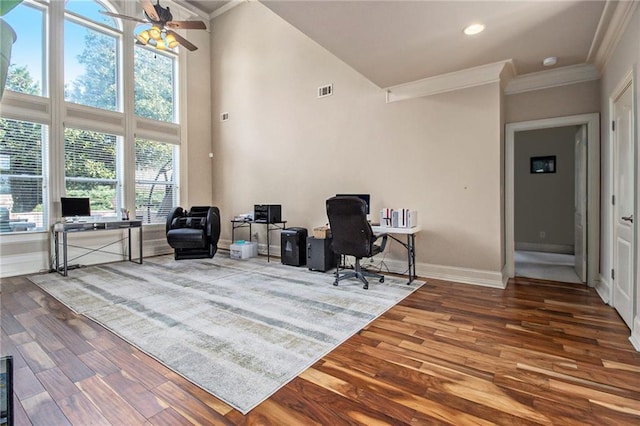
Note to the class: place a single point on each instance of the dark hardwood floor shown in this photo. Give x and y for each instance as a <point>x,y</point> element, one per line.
<point>536,353</point>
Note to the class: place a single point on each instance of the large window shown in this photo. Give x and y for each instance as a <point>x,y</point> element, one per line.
<point>155,180</point>
<point>91,169</point>
<point>23,201</point>
<point>27,72</point>
<point>91,56</point>
<point>83,138</point>
<point>155,78</point>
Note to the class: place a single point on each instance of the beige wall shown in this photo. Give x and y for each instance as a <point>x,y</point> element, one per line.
<point>574,99</point>
<point>196,172</point>
<point>544,202</point>
<point>440,155</point>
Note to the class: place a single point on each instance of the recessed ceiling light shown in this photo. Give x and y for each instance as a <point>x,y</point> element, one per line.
<point>550,61</point>
<point>474,29</point>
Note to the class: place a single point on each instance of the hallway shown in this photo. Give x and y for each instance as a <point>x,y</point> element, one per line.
<point>546,266</point>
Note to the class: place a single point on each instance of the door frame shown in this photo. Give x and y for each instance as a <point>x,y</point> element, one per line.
<point>592,121</point>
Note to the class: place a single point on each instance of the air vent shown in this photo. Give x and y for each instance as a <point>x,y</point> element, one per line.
<point>326,90</point>
<point>224,116</point>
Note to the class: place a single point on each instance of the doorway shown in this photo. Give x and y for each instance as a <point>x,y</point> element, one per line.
<point>587,215</point>
<point>549,237</point>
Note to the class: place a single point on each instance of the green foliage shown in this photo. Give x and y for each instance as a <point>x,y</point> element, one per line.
<point>19,80</point>
<point>103,197</point>
<point>7,5</point>
<point>21,144</point>
<point>97,87</point>
<point>153,85</point>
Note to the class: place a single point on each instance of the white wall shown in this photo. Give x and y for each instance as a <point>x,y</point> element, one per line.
<point>624,59</point>
<point>440,155</point>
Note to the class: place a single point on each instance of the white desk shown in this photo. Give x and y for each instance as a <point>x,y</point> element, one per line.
<point>410,245</point>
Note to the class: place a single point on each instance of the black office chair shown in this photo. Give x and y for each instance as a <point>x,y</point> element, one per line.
<point>352,236</point>
<point>193,234</point>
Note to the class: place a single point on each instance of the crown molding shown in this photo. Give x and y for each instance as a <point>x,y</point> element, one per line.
<point>457,80</point>
<point>552,78</point>
<point>618,14</point>
<point>187,9</point>
<point>227,7</point>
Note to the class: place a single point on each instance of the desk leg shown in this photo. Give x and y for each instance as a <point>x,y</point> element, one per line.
<point>411,256</point>
<point>64,254</point>
<point>140,243</point>
<point>56,250</point>
<point>129,241</point>
<point>268,244</point>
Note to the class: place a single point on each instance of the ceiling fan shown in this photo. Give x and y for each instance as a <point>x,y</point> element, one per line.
<point>161,34</point>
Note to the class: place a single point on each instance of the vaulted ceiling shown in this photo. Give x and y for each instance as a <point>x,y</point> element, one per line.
<point>396,42</point>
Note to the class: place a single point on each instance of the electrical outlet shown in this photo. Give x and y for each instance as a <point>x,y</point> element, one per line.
<point>543,235</point>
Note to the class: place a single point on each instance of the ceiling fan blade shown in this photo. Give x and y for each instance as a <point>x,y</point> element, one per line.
<point>183,41</point>
<point>186,25</point>
<point>116,15</point>
<point>150,10</point>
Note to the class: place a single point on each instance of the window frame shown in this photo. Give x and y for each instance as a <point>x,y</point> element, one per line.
<point>56,113</point>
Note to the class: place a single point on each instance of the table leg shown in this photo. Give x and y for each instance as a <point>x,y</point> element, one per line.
<point>140,243</point>
<point>64,253</point>
<point>56,250</point>
<point>411,256</point>
<point>268,244</point>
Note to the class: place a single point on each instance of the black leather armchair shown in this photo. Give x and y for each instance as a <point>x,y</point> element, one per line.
<point>193,234</point>
<point>352,235</point>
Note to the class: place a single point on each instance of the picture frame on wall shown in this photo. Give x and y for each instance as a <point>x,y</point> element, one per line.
<point>545,164</point>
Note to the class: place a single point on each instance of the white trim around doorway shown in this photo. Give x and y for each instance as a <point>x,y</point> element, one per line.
<point>593,187</point>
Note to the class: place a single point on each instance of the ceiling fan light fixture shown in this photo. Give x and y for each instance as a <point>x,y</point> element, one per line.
<point>143,37</point>
<point>171,41</point>
<point>160,45</point>
<point>155,33</point>
<point>474,29</point>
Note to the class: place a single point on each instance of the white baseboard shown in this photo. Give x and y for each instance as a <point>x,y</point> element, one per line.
<point>635,334</point>
<point>479,277</point>
<point>603,288</point>
<point>545,248</point>
<point>448,273</point>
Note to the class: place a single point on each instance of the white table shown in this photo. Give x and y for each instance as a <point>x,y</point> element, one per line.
<point>410,245</point>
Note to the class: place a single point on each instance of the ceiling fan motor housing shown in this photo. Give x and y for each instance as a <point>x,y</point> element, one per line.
<point>164,15</point>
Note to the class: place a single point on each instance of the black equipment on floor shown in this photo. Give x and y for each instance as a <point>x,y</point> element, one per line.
<point>320,257</point>
<point>293,248</point>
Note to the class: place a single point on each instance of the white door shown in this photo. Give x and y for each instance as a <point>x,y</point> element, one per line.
<point>624,193</point>
<point>580,204</point>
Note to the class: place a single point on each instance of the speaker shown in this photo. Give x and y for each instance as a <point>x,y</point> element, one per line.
<point>293,250</point>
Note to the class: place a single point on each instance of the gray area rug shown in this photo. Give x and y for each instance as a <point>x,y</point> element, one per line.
<point>240,329</point>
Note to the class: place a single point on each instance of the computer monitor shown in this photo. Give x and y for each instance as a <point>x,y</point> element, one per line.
<point>72,207</point>
<point>365,197</point>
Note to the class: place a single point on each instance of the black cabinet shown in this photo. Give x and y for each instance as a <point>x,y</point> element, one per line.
<point>320,257</point>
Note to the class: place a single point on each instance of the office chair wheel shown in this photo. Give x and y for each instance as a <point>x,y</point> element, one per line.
<point>335,283</point>
<point>366,286</point>
<point>382,279</point>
